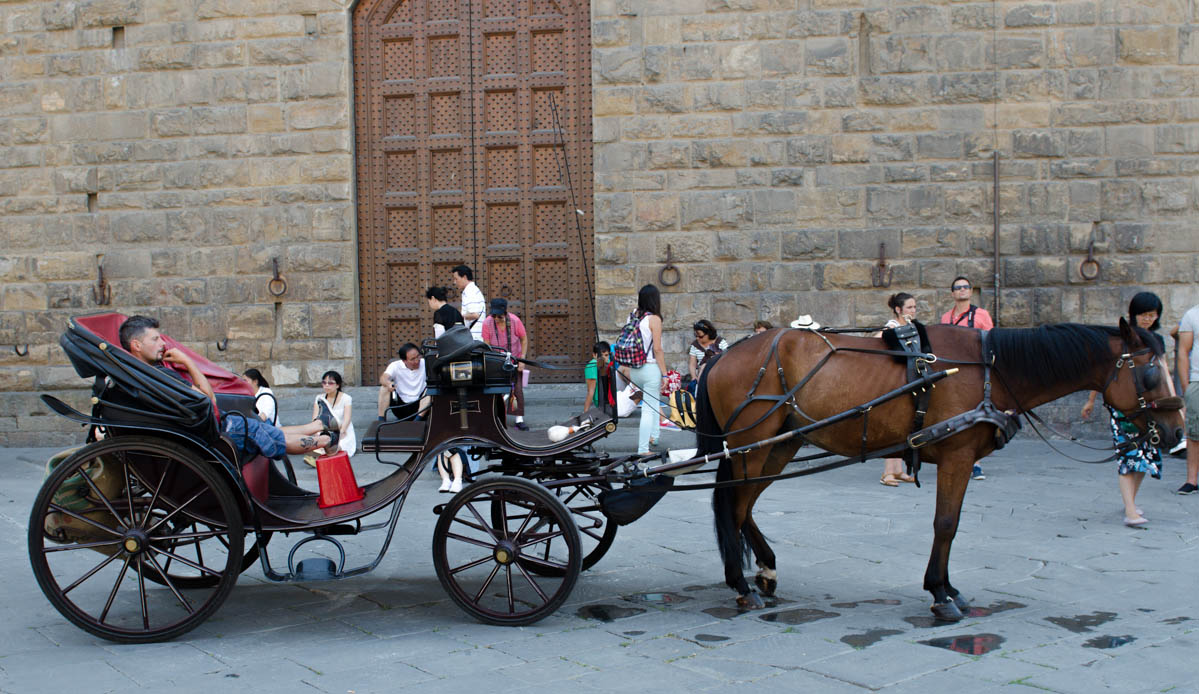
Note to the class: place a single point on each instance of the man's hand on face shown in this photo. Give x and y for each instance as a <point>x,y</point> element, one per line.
<point>176,356</point>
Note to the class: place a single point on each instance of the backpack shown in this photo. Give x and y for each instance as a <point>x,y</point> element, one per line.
<point>629,350</point>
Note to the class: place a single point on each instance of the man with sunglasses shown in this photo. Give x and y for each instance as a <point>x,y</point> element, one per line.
<point>963,312</point>
<point>968,315</point>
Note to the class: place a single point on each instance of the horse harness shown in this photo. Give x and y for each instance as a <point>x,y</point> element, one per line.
<point>918,361</point>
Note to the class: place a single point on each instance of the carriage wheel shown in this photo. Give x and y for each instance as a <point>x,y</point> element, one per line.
<point>193,550</point>
<point>487,537</point>
<point>595,532</point>
<point>113,514</point>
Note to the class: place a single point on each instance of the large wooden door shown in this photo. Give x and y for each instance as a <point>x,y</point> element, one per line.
<point>460,160</point>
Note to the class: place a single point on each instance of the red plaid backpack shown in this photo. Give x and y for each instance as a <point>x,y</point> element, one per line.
<point>629,350</point>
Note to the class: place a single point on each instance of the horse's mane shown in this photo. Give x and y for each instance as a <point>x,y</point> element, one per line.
<point>1057,353</point>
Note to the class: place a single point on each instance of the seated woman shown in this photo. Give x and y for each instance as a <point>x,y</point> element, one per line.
<point>706,346</point>
<point>264,397</point>
<point>339,405</point>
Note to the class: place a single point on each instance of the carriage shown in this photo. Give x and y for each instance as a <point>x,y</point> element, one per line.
<point>140,534</point>
<point>160,494</point>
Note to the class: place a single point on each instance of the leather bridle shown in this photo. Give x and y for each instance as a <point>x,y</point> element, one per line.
<point>1145,378</point>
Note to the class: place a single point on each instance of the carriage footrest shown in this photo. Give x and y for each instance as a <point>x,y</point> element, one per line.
<point>623,506</point>
<point>316,569</point>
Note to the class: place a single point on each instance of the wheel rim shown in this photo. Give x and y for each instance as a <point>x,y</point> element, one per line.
<point>141,505</point>
<point>484,564</point>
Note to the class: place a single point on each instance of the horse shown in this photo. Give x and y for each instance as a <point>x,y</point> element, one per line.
<point>784,379</point>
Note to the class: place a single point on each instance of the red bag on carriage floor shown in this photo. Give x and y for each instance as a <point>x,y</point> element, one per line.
<point>629,350</point>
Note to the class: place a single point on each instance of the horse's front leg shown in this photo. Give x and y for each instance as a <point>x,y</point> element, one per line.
<point>952,477</point>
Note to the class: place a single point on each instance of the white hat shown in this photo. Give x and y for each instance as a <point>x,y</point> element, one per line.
<point>805,322</point>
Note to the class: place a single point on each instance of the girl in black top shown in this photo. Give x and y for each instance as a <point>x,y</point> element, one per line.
<point>444,315</point>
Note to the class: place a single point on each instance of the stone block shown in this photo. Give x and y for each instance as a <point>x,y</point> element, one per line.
<point>959,53</point>
<point>284,51</point>
<point>947,145</point>
<point>937,274</point>
<point>969,87</point>
<point>332,320</point>
<point>718,96</point>
<point>904,173</point>
<point>1121,199</point>
<point>735,310</point>
<point>886,201</point>
<point>859,243</point>
<point>1164,197</point>
<point>255,321</point>
<point>828,56</point>
<point>316,114</point>
<point>1019,52</point>
<point>931,242</point>
<point>1039,143</point>
<point>715,210</point>
<point>24,297</point>
<point>900,53</point>
<point>1029,15</point>
<point>808,244</point>
<point>656,211</point>
<point>617,65</point>
<point>782,59</point>
<point>894,90</point>
<point>1148,45</point>
<point>96,13</point>
<point>1177,139</point>
<point>972,17</point>
<point>843,275</point>
<point>773,206</point>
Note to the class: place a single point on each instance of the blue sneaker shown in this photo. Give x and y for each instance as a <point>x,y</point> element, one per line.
<point>978,472</point>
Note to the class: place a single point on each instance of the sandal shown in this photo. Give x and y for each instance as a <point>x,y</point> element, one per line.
<point>905,477</point>
<point>888,481</point>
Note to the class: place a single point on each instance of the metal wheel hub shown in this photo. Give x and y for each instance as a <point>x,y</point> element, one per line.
<point>505,552</point>
<point>135,541</point>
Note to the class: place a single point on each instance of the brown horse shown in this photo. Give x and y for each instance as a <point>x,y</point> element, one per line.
<point>1030,367</point>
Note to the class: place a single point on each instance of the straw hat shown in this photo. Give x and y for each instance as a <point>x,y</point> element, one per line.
<point>805,322</point>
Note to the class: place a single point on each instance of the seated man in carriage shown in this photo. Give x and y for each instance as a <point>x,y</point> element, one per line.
<point>141,338</point>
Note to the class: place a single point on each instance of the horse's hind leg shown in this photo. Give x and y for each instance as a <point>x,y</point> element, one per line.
<point>767,577</point>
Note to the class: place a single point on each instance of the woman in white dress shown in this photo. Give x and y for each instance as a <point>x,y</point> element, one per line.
<point>339,404</point>
<point>903,311</point>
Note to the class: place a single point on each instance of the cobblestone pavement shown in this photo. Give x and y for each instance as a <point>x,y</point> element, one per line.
<point>1067,600</point>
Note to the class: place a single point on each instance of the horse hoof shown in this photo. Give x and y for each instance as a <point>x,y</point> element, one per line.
<point>962,602</point>
<point>750,601</point>
<point>766,585</point>
<point>946,612</point>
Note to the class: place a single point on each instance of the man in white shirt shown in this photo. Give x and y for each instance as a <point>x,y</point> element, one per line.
<point>402,385</point>
<point>474,305</point>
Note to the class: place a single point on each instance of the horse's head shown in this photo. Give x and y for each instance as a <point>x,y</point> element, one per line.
<point>1143,390</point>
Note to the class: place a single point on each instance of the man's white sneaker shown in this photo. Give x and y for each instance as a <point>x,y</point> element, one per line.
<point>456,486</point>
<point>445,485</point>
<point>1179,447</point>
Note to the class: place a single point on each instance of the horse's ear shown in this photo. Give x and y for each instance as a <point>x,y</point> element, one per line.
<point>1129,335</point>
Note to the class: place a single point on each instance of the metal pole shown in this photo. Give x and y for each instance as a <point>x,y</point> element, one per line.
<point>995,230</point>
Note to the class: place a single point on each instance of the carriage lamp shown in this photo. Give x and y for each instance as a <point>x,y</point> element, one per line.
<point>461,371</point>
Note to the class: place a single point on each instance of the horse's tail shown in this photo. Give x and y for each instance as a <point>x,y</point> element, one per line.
<point>709,438</point>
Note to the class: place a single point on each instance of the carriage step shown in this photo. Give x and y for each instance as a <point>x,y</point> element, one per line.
<point>316,569</point>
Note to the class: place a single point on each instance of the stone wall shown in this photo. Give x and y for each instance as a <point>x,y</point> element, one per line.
<point>772,145</point>
<point>183,146</point>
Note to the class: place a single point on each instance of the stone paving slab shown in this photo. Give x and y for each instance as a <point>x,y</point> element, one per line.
<point>1069,601</point>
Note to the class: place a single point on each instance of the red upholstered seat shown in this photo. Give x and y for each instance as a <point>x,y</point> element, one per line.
<point>107,326</point>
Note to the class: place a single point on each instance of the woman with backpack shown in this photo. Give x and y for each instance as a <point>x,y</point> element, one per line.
<point>640,349</point>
